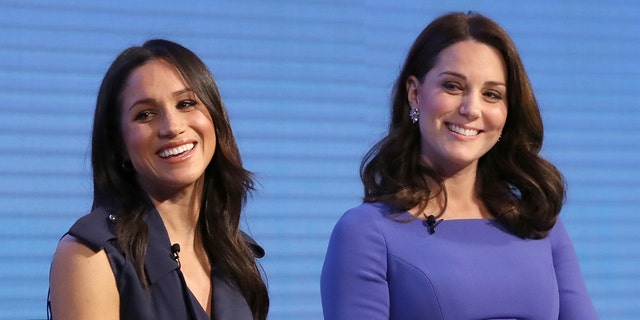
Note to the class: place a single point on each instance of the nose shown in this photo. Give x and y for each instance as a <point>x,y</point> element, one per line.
<point>470,107</point>
<point>172,124</point>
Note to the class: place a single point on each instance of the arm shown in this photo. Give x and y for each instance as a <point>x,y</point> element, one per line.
<point>353,282</point>
<point>574,298</point>
<point>82,283</point>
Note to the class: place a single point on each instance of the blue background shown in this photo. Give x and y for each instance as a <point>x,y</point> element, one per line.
<point>307,86</point>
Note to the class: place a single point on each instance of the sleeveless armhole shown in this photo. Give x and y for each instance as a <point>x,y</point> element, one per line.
<point>95,230</point>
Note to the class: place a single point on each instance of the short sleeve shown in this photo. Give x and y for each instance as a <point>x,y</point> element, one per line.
<point>353,281</point>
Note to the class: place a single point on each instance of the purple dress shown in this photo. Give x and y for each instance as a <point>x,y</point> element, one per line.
<point>378,267</point>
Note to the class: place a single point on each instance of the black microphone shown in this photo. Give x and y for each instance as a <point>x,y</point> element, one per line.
<point>175,248</point>
<point>432,223</point>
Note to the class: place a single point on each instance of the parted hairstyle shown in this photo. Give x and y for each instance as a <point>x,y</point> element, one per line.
<point>521,189</point>
<point>226,183</point>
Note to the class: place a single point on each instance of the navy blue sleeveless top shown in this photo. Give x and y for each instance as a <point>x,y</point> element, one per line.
<point>167,296</point>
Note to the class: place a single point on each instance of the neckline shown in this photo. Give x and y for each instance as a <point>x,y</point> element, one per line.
<point>409,215</point>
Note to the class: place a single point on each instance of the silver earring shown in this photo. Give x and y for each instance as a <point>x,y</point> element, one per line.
<point>414,114</point>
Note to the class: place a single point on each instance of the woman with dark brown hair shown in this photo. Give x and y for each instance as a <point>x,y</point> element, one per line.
<point>460,213</point>
<point>163,238</point>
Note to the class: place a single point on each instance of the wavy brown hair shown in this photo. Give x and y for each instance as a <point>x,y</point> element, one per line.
<point>226,183</point>
<point>521,189</point>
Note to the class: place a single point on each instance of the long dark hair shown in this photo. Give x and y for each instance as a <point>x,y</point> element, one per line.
<point>226,183</point>
<point>521,189</point>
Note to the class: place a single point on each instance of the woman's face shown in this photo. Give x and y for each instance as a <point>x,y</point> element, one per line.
<point>463,105</point>
<point>168,132</point>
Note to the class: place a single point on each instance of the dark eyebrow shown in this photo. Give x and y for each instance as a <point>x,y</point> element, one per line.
<point>185,90</point>
<point>153,101</point>
<point>455,74</point>
<point>461,76</point>
<point>142,101</point>
<point>495,83</point>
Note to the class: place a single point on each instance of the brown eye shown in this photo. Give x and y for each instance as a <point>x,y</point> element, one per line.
<point>451,86</point>
<point>187,104</point>
<point>493,95</point>
<point>142,116</point>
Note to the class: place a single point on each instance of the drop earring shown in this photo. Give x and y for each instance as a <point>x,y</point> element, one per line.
<point>414,114</point>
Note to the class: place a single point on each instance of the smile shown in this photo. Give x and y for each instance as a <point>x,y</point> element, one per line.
<point>176,151</point>
<point>462,131</point>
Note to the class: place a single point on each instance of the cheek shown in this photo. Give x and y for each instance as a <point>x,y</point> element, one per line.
<point>204,123</point>
<point>128,134</point>
<point>133,139</point>
<point>497,117</point>
<point>206,126</point>
<point>431,114</point>
<point>210,134</point>
<point>437,105</point>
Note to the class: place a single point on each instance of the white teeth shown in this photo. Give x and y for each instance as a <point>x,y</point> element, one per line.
<point>177,150</point>
<point>462,131</point>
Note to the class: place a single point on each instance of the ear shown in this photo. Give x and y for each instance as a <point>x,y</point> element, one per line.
<point>413,87</point>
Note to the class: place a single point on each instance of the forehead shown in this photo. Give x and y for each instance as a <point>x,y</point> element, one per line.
<point>154,73</point>
<point>472,57</point>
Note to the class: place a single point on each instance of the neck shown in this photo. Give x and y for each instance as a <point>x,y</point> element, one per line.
<point>462,197</point>
<point>180,213</point>
<point>462,200</point>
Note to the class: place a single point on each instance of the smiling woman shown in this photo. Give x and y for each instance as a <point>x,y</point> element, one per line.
<point>460,219</point>
<point>163,239</point>
<point>461,105</point>
<point>167,131</point>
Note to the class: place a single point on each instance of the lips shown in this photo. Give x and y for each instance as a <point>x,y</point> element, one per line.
<point>176,151</point>
<point>463,131</point>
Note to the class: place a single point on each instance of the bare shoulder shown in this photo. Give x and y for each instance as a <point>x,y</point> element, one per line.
<point>82,283</point>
